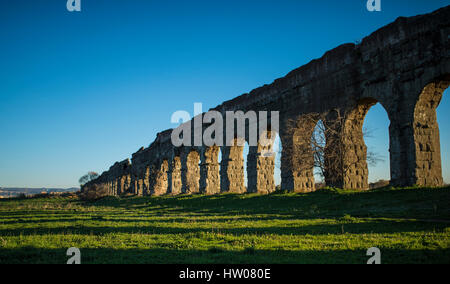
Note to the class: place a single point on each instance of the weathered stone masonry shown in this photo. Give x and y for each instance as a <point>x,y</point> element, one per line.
<point>404,66</point>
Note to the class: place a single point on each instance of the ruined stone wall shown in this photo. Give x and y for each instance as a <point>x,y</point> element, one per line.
<point>404,66</point>
<point>210,171</point>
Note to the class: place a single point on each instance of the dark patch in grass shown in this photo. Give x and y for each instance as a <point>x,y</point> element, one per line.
<point>113,256</point>
<point>215,250</point>
<point>249,251</point>
<point>371,226</point>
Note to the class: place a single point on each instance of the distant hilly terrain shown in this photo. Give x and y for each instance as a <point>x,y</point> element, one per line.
<point>15,191</point>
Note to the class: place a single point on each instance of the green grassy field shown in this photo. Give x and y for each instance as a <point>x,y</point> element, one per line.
<point>329,226</point>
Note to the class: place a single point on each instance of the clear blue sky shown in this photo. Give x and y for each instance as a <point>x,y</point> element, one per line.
<point>79,91</point>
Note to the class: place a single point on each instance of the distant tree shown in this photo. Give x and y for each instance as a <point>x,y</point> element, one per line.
<point>94,192</point>
<point>87,178</point>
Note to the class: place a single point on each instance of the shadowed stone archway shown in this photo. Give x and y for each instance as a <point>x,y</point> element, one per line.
<point>426,134</point>
<point>297,159</point>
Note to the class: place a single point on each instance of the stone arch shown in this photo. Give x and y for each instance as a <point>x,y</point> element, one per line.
<point>428,165</point>
<point>174,176</point>
<point>261,165</point>
<point>190,171</point>
<point>297,160</point>
<point>245,157</point>
<point>159,179</point>
<point>138,183</point>
<point>147,180</point>
<point>346,151</point>
<point>125,184</point>
<point>232,167</point>
<point>122,184</point>
<point>209,170</point>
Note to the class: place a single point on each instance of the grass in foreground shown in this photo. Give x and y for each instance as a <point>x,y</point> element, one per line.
<point>329,226</point>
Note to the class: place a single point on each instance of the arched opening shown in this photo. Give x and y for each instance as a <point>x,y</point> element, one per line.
<point>219,158</point>
<point>219,161</point>
<point>443,118</point>
<point>175,176</point>
<point>318,144</point>
<point>345,155</point>
<point>376,138</point>
<point>148,180</point>
<point>245,152</point>
<point>428,160</point>
<point>358,156</point>
<point>277,149</point>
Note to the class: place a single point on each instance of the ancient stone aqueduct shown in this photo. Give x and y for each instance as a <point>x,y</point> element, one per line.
<point>405,66</point>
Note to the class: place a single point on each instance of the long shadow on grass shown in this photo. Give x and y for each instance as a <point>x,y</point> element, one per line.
<point>219,256</point>
<point>378,227</point>
<point>139,219</point>
<point>325,203</point>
